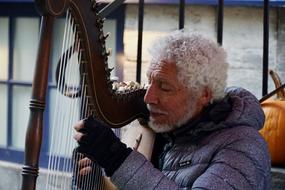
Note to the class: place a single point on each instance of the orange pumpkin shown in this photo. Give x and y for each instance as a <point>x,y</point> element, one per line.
<point>274,129</point>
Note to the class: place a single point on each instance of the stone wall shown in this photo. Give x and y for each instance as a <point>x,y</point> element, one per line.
<point>280,55</point>
<point>242,39</point>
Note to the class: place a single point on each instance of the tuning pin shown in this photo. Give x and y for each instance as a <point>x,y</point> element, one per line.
<point>110,84</point>
<point>95,5</point>
<point>106,60</point>
<point>114,78</point>
<point>107,35</point>
<point>109,70</point>
<point>103,52</point>
<point>99,22</point>
<point>108,52</point>
<point>103,37</point>
<point>103,47</point>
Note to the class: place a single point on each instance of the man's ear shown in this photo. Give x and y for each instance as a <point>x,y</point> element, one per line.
<point>204,99</point>
<point>206,96</point>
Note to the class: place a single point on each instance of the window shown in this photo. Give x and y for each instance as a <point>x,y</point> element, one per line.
<point>25,39</point>
<point>18,44</point>
<point>4,24</point>
<point>19,36</point>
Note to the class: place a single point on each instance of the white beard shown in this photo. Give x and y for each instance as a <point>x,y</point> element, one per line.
<point>161,128</point>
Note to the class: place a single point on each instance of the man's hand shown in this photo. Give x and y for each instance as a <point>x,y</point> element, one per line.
<point>98,142</point>
<point>84,166</point>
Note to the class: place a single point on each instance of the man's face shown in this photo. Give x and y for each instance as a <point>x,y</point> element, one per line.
<point>169,102</point>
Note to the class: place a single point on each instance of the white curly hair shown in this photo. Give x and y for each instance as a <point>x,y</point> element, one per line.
<point>200,61</point>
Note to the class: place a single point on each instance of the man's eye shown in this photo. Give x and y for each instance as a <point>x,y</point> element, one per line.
<point>165,87</point>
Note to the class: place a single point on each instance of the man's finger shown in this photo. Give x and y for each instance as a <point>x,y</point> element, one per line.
<point>84,162</point>
<point>77,136</point>
<point>79,125</point>
<point>85,170</point>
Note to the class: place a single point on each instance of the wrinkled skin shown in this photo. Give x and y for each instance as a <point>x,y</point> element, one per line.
<point>171,104</point>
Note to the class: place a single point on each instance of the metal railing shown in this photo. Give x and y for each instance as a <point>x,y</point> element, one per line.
<point>219,29</point>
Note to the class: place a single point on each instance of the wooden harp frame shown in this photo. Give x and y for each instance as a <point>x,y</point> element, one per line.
<point>114,108</point>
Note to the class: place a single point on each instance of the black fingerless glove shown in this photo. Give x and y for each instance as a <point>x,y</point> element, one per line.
<point>100,144</point>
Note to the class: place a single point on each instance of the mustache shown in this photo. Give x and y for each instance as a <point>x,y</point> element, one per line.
<point>156,110</point>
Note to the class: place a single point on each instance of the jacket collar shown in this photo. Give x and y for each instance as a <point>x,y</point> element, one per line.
<point>209,120</point>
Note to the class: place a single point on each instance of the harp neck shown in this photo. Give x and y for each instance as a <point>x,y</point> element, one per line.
<point>114,108</point>
<point>53,8</point>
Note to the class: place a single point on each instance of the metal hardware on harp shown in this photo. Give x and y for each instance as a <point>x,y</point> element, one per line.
<point>92,92</point>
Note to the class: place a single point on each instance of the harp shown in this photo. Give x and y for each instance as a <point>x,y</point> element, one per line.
<point>93,89</point>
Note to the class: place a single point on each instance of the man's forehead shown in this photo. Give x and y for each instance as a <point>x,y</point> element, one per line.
<point>161,66</point>
<point>161,63</point>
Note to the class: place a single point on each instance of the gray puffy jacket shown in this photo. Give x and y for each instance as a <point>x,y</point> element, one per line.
<point>224,151</point>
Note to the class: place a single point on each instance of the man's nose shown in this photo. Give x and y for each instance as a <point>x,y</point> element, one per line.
<point>151,96</point>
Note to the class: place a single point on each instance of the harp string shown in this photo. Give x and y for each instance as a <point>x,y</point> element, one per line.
<point>62,162</point>
<point>95,173</point>
<point>58,122</point>
<point>79,101</point>
<point>72,86</point>
<point>94,179</point>
<point>82,102</point>
<point>76,156</point>
<point>63,121</point>
<point>52,157</point>
<point>91,175</point>
<point>69,64</point>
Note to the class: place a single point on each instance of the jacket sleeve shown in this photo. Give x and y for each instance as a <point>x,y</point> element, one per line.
<point>243,163</point>
<point>137,172</point>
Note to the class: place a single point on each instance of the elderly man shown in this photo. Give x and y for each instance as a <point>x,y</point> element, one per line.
<point>208,136</point>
